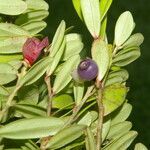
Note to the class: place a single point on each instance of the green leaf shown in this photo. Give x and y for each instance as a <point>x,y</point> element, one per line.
<point>56,59</point>
<point>117,130</point>
<point>91,15</point>
<point>35,72</point>
<point>7,73</point>
<point>113,97</point>
<point>34,27</point>
<point>74,45</point>
<point>37,5</point>
<point>121,114</point>
<point>104,7</point>
<point>29,111</point>
<point>123,28</point>
<point>64,75</point>
<point>89,140</point>
<point>103,28</point>
<point>31,128</point>
<point>126,56</point>
<point>10,30</point>
<point>62,101</point>
<point>135,40</point>
<point>28,95</point>
<point>12,45</point>
<point>78,92</point>
<point>16,64</point>
<point>100,54</point>
<point>37,15</point>
<point>123,142</point>
<point>77,6</point>
<point>140,146</point>
<point>8,58</point>
<point>118,76</point>
<point>15,8</point>
<point>66,136</point>
<point>58,39</point>
<point>3,91</point>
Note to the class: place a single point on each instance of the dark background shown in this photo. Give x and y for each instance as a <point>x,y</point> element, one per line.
<point>139,81</point>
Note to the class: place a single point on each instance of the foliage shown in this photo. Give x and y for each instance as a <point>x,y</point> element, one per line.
<point>43,106</point>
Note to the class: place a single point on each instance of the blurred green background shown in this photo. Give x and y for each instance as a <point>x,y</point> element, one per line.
<point>139,81</point>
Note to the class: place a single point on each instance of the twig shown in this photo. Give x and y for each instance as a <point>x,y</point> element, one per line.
<point>50,95</point>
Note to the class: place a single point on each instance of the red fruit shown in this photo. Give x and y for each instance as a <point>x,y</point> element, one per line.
<point>32,48</point>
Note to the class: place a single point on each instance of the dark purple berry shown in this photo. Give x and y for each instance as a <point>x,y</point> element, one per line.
<point>87,69</point>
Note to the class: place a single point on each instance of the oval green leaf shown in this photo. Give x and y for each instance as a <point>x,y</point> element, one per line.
<point>140,146</point>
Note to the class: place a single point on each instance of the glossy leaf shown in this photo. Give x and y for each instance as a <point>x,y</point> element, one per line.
<point>12,45</point>
<point>123,28</point>
<point>100,54</point>
<point>91,15</point>
<point>126,56</point>
<point>15,8</point>
<point>56,59</point>
<point>31,128</point>
<point>34,27</point>
<point>64,75</point>
<point>37,4</point>
<point>89,140</point>
<point>7,73</point>
<point>121,114</point>
<point>104,7</point>
<point>77,6</point>
<point>113,97</point>
<point>58,39</point>
<point>66,136</point>
<point>35,72</point>
<point>123,142</point>
<point>140,146</point>
<point>135,40</point>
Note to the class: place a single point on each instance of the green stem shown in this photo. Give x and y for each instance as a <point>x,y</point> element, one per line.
<point>100,120</point>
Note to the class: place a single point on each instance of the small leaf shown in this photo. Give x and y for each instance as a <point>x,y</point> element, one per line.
<point>12,45</point>
<point>89,140</point>
<point>64,75</point>
<point>118,76</point>
<point>104,7</point>
<point>29,111</point>
<point>36,4</point>
<point>7,73</point>
<point>140,146</point>
<point>78,92</point>
<point>123,28</point>
<point>10,57</point>
<point>3,91</point>
<point>56,59</point>
<point>58,39</point>
<point>135,40</point>
<point>100,54</point>
<point>62,101</point>
<point>11,30</point>
<point>31,128</point>
<point>15,8</point>
<point>65,136</point>
<point>121,114</point>
<point>77,6</point>
<point>123,142</point>
<point>34,27</point>
<point>91,15</point>
<point>103,29</point>
<point>126,56</point>
<point>113,97</point>
<point>35,72</point>
<point>117,130</point>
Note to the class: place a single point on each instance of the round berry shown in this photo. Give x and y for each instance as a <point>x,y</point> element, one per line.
<point>87,69</point>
